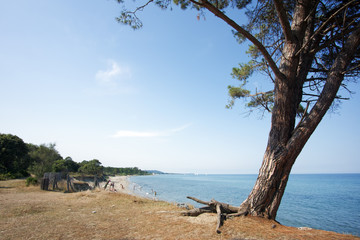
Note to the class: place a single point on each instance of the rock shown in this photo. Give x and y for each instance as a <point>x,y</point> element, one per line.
<point>183,205</point>
<point>304,228</point>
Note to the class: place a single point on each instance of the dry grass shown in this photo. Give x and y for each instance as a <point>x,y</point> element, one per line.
<point>29,213</point>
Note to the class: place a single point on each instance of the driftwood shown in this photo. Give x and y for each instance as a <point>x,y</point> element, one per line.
<point>221,209</point>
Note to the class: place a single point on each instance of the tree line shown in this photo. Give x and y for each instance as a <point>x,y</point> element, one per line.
<point>19,159</point>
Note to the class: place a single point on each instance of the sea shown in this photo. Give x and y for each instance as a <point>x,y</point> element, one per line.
<point>320,201</point>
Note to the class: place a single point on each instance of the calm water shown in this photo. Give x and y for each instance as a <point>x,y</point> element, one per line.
<point>321,201</point>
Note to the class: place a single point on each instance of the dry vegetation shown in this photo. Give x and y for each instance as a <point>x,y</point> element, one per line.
<point>29,213</point>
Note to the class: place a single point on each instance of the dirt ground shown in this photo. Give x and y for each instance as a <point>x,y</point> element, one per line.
<point>29,213</point>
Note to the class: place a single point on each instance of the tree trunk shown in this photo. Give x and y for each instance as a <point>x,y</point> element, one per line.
<point>285,140</point>
<point>282,150</point>
<point>264,200</point>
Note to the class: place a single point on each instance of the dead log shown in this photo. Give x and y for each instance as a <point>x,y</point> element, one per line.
<point>197,211</point>
<point>220,218</point>
<point>221,209</point>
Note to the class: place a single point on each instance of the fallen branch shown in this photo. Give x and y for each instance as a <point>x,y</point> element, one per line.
<point>221,209</point>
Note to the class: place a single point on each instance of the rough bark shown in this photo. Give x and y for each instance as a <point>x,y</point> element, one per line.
<point>282,150</point>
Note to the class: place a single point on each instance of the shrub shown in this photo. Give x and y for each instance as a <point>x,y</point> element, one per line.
<point>6,176</point>
<point>31,180</point>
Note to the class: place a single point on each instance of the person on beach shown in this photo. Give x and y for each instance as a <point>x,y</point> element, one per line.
<point>112,186</point>
<point>106,184</point>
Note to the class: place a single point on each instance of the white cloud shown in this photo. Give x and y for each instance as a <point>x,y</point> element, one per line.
<point>179,129</point>
<point>113,73</point>
<point>146,134</point>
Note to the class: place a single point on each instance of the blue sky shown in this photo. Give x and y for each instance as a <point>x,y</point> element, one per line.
<point>152,98</point>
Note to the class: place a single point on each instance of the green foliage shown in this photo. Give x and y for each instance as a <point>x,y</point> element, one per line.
<point>124,171</point>
<point>238,92</point>
<point>92,167</point>
<point>333,21</point>
<point>7,176</point>
<point>71,165</point>
<point>132,20</point>
<point>31,181</point>
<point>65,165</point>
<point>59,166</point>
<point>43,158</point>
<point>244,71</point>
<point>16,157</point>
<point>13,156</point>
<point>263,23</point>
<point>262,100</point>
<point>240,4</point>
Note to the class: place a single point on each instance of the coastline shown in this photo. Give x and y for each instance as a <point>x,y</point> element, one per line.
<point>122,184</point>
<point>305,203</point>
<point>30,213</point>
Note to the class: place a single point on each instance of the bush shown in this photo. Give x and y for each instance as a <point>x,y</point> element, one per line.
<point>6,176</point>
<point>31,180</point>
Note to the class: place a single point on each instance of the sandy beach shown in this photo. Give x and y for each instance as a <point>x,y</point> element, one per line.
<point>30,213</point>
<point>121,184</point>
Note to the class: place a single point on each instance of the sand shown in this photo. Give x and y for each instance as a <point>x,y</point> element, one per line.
<point>121,184</point>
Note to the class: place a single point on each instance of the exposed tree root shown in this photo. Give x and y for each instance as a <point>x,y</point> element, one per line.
<point>221,209</point>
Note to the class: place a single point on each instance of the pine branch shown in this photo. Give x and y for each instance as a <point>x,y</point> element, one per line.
<point>246,34</point>
<point>285,24</point>
<point>324,25</point>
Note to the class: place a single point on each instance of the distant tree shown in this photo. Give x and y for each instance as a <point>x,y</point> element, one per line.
<point>71,165</point>
<point>92,167</point>
<point>124,171</point>
<point>65,165</point>
<point>43,157</point>
<point>308,50</point>
<point>13,155</point>
<point>59,166</point>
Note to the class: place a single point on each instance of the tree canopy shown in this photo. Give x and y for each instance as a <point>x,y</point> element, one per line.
<point>309,50</point>
<point>13,155</point>
<point>93,167</point>
<point>43,157</point>
<point>18,159</point>
<point>124,171</point>
<point>65,165</point>
<point>328,26</point>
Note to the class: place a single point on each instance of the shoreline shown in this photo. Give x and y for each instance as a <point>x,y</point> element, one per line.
<point>124,185</point>
<point>30,213</point>
<point>121,184</point>
<point>174,188</point>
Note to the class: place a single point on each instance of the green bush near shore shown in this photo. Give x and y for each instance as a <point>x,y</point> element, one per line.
<point>31,181</point>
